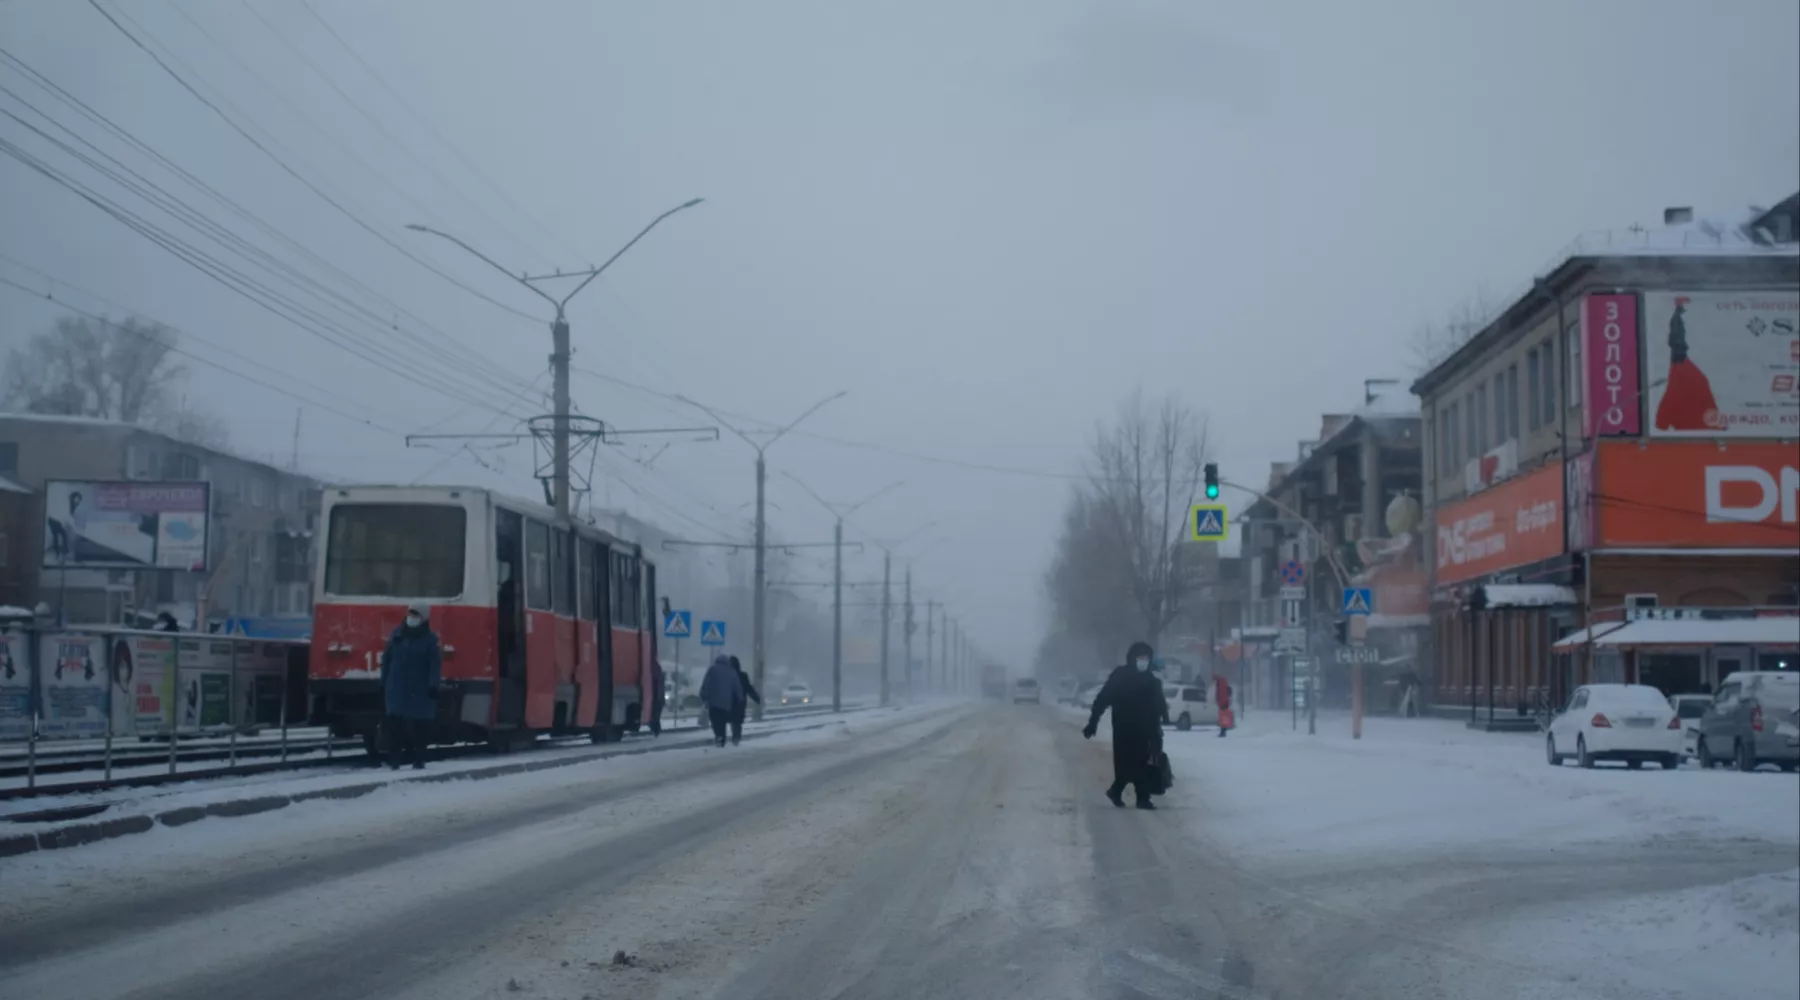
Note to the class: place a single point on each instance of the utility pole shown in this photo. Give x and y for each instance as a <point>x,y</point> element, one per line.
<point>759,602</point>
<point>559,348</point>
<point>944,657</point>
<point>907,634</point>
<point>887,611</point>
<point>294,459</point>
<point>837,618</point>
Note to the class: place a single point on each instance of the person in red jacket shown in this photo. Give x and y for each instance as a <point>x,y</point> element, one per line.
<point>1687,403</point>
<point>1222,692</point>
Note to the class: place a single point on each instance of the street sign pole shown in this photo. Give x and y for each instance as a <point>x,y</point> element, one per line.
<point>1312,681</point>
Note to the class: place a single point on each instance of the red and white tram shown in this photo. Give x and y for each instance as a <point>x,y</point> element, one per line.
<point>546,625</point>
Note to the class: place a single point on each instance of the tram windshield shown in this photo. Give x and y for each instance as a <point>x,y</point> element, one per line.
<point>395,550</point>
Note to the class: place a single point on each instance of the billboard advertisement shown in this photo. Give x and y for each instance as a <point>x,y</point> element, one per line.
<point>1609,348</point>
<point>15,687</point>
<point>74,686</point>
<point>125,525</point>
<point>203,691</point>
<point>1698,494</point>
<point>1723,364</point>
<point>142,668</point>
<point>1515,523</point>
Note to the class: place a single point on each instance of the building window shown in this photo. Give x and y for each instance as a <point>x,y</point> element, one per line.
<point>1481,441</point>
<point>1534,395</point>
<point>1451,430</point>
<point>1548,349</point>
<point>4,549</point>
<point>1512,401</point>
<point>259,492</point>
<point>9,458</point>
<point>259,550</point>
<point>1572,336</point>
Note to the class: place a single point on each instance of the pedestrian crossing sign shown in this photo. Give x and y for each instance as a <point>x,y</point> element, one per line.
<point>1208,522</point>
<point>712,633</point>
<point>678,624</point>
<point>1359,601</point>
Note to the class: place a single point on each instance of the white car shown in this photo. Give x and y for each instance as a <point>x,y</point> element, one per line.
<point>1628,722</point>
<point>1026,689</point>
<point>796,694</point>
<point>1690,709</point>
<point>1190,705</point>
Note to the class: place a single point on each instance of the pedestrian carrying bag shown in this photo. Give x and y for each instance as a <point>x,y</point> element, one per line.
<point>1162,776</point>
<point>1226,720</point>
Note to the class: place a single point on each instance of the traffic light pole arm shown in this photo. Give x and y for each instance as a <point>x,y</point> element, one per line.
<point>1330,557</point>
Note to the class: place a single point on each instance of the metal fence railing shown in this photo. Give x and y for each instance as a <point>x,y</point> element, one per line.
<point>75,698</point>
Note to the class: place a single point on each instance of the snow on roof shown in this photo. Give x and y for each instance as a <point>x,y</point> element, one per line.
<point>11,486</point>
<point>62,418</point>
<point>1777,631</point>
<point>1528,595</point>
<point>14,611</point>
<point>1396,402</point>
<point>1702,236</point>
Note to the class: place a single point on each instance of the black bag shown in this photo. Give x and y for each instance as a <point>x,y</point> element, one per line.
<point>1162,776</point>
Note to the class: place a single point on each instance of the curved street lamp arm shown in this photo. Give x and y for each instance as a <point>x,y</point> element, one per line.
<point>1330,557</point>
<point>865,501</point>
<point>702,407</point>
<point>595,273</point>
<point>809,412</point>
<point>809,492</point>
<point>415,227</point>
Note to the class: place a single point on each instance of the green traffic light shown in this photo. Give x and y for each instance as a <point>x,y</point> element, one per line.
<point>1212,492</point>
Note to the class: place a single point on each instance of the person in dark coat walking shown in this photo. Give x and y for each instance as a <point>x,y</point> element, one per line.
<point>411,670</point>
<point>743,703</point>
<point>658,695</point>
<point>1135,696</point>
<point>721,692</point>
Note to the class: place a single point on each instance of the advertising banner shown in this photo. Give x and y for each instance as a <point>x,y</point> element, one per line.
<point>125,525</point>
<point>15,687</point>
<point>261,671</point>
<point>74,684</point>
<point>202,684</point>
<point>1609,349</point>
<point>1681,494</point>
<point>1723,364</point>
<point>1579,489</point>
<point>1515,523</point>
<point>142,668</point>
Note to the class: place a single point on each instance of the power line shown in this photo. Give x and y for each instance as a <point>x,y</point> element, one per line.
<point>208,361</point>
<point>426,121</point>
<point>248,287</point>
<point>180,210</point>
<point>291,172</point>
<point>111,127</point>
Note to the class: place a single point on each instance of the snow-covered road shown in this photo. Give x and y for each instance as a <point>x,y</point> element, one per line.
<point>950,851</point>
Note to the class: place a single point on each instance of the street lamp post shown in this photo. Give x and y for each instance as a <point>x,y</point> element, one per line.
<point>837,582</point>
<point>559,342</point>
<point>760,584</point>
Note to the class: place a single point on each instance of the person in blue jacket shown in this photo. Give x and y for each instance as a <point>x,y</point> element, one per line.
<point>411,669</point>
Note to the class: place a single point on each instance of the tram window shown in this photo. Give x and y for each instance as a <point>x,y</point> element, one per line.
<point>395,550</point>
<point>537,566</point>
<point>584,582</point>
<point>626,598</point>
<point>559,573</point>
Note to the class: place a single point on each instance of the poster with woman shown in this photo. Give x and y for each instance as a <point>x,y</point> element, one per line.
<point>143,678</point>
<point>74,686</point>
<point>15,687</point>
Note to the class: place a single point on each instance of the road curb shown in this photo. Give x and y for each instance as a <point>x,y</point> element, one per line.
<point>77,834</point>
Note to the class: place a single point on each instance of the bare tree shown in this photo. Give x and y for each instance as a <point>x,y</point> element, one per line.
<point>1434,341</point>
<point>1117,573</point>
<point>114,371</point>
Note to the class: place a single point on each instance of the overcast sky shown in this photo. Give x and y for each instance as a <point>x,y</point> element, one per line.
<point>987,222</point>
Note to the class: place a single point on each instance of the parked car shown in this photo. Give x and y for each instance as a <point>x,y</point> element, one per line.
<point>1690,709</point>
<point>1629,722</point>
<point>1190,705</point>
<point>796,694</point>
<point>1743,727</point>
<point>1066,691</point>
<point>1025,689</point>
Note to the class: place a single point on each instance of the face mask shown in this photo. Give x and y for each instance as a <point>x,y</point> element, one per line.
<point>1143,664</point>
<point>412,621</point>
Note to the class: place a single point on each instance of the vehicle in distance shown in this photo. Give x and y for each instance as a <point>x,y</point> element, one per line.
<point>1743,726</point>
<point>993,681</point>
<point>1066,690</point>
<point>796,694</point>
<point>1628,722</point>
<point>1190,705</point>
<point>1025,689</point>
<point>1690,709</point>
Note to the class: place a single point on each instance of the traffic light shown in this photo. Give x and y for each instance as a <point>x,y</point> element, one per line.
<point>1212,481</point>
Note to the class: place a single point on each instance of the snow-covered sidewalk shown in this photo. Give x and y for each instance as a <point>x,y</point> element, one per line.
<point>1665,883</point>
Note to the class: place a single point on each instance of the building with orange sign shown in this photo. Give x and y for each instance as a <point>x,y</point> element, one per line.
<point>1625,433</point>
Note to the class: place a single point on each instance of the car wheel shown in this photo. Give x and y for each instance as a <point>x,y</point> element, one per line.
<point>1582,756</point>
<point>1746,758</point>
<point>1635,765</point>
<point>1707,761</point>
<point>1671,761</point>
<point>1185,723</point>
<point>1550,753</point>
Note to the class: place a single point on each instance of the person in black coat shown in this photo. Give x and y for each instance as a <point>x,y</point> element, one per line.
<point>1135,696</point>
<point>749,695</point>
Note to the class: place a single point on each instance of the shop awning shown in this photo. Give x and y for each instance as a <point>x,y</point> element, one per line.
<point>1582,636</point>
<point>1782,631</point>
<point>1529,595</point>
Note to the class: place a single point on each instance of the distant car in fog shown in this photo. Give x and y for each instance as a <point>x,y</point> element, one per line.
<point>1190,705</point>
<point>1690,709</point>
<point>1025,689</point>
<point>1066,691</point>
<point>796,694</point>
